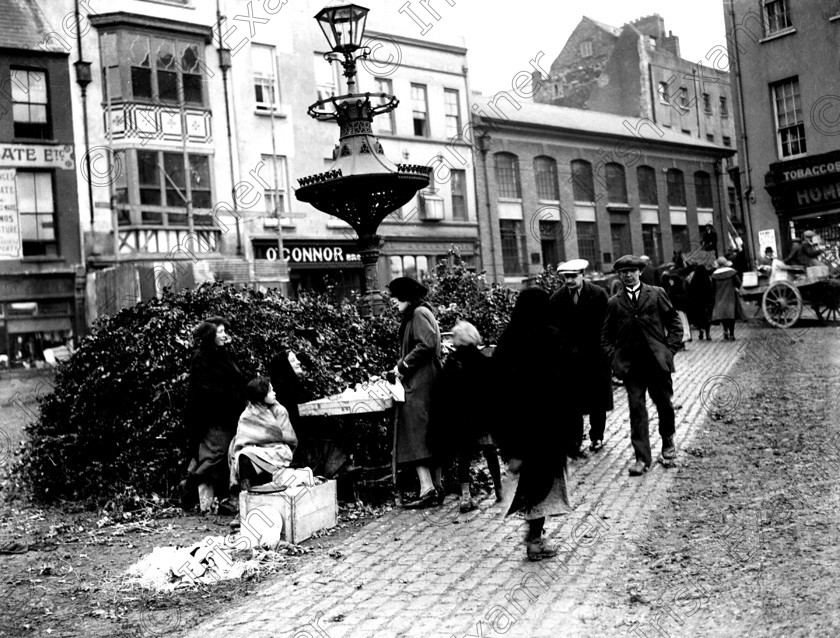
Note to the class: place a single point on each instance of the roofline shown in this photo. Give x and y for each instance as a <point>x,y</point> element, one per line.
<point>27,51</point>
<point>428,44</point>
<point>127,19</point>
<point>716,150</point>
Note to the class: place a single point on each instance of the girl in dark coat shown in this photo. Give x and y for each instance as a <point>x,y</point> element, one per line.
<point>701,299</point>
<point>418,367</point>
<point>460,410</point>
<point>215,401</point>
<point>532,431</point>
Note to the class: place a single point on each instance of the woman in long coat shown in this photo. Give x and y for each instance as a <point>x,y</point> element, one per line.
<point>727,307</point>
<point>214,403</point>
<point>701,300</point>
<point>418,367</point>
<point>532,429</point>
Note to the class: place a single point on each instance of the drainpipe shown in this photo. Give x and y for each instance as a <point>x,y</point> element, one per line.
<point>742,116</point>
<point>224,65</point>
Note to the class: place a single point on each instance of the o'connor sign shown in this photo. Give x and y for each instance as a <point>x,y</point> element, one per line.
<point>36,156</point>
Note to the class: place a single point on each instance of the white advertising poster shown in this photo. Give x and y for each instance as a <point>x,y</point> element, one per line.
<point>767,238</point>
<point>9,222</point>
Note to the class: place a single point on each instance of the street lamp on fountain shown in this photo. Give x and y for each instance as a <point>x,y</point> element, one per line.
<point>362,186</point>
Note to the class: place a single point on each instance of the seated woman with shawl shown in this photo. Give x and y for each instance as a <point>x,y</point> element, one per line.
<point>264,441</point>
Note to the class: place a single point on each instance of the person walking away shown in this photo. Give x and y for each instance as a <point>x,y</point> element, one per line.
<point>577,311</point>
<point>461,410</point>
<point>701,300</point>
<point>532,419</point>
<point>418,367</point>
<point>641,334</point>
<point>648,275</point>
<point>214,402</point>
<point>265,439</point>
<point>727,308</point>
<point>674,286</point>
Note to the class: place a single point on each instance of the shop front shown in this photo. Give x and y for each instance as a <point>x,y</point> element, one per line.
<point>806,196</point>
<point>315,265</point>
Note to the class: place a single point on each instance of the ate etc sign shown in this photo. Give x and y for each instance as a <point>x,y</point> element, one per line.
<point>37,156</point>
<point>807,185</point>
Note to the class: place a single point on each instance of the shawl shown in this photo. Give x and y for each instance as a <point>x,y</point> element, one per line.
<point>261,436</point>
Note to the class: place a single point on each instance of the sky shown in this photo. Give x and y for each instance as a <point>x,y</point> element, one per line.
<point>503,35</point>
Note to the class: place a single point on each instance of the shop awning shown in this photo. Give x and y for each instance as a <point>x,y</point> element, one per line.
<point>38,324</point>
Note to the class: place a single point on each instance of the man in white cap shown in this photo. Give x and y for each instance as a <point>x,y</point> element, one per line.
<point>578,309</point>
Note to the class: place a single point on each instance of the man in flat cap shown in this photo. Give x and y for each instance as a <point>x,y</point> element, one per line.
<point>805,253</point>
<point>640,335</point>
<point>577,311</point>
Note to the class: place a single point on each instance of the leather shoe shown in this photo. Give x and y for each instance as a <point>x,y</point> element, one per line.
<point>638,468</point>
<point>425,500</point>
<point>596,445</point>
<point>539,549</point>
<point>669,450</point>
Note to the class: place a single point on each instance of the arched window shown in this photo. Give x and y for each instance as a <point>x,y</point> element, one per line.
<point>583,186</point>
<point>703,189</point>
<point>647,186</point>
<point>616,184</point>
<point>545,173</point>
<point>676,188</point>
<point>507,175</point>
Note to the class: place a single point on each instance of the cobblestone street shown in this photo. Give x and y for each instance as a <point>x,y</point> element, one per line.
<point>436,573</point>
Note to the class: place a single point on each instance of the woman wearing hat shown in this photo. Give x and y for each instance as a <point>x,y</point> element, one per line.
<point>418,367</point>
<point>727,309</point>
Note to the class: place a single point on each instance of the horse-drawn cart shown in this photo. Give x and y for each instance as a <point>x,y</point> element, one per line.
<point>790,288</point>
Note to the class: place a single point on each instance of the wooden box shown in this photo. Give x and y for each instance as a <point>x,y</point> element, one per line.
<point>304,510</point>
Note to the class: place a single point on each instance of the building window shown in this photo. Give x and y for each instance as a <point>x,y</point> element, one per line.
<point>513,246</point>
<point>776,16</point>
<point>159,68</point>
<point>727,141</point>
<point>265,78</point>
<point>724,106</point>
<point>275,173</point>
<point>545,174</point>
<point>385,122</point>
<point>420,110</point>
<point>682,98</point>
<point>647,186</point>
<point>587,241</point>
<point>550,243</point>
<point>616,184</point>
<point>36,208</point>
<point>652,242</point>
<point>790,130</point>
<point>662,88</point>
<point>710,137</point>
<point>703,189</point>
<point>732,203</point>
<point>586,49</point>
<point>459,194</point>
<point>507,175</point>
<point>707,104</point>
<point>30,105</point>
<point>620,235</point>
<point>583,186</point>
<point>327,78</point>
<point>416,267</point>
<point>676,188</point>
<point>453,112</point>
<point>162,183</point>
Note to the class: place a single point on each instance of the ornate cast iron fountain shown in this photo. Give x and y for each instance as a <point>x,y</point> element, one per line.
<point>362,186</point>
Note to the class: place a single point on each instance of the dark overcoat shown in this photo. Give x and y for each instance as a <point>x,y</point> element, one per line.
<point>726,282</point>
<point>590,387</point>
<point>642,338</point>
<point>420,365</point>
<point>530,425</point>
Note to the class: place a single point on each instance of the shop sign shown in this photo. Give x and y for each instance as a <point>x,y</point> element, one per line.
<point>818,194</point>
<point>37,156</point>
<point>816,170</point>
<point>9,223</point>
<point>312,254</point>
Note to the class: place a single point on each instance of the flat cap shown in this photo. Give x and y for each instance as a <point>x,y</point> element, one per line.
<point>573,265</point>
<point>808,233</point>
<point>406,289</point>
<point>628,262</point>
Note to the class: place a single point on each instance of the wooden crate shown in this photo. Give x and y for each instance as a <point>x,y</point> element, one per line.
<point>304,510</point>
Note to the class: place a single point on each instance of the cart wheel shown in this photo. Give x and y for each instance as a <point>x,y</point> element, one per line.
<point>782,304</point>
<point>829,307</point>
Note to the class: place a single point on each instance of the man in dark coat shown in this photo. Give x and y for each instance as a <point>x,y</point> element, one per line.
<point>648,275</point>
<point>641,333</point>
<point>577,311</point>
